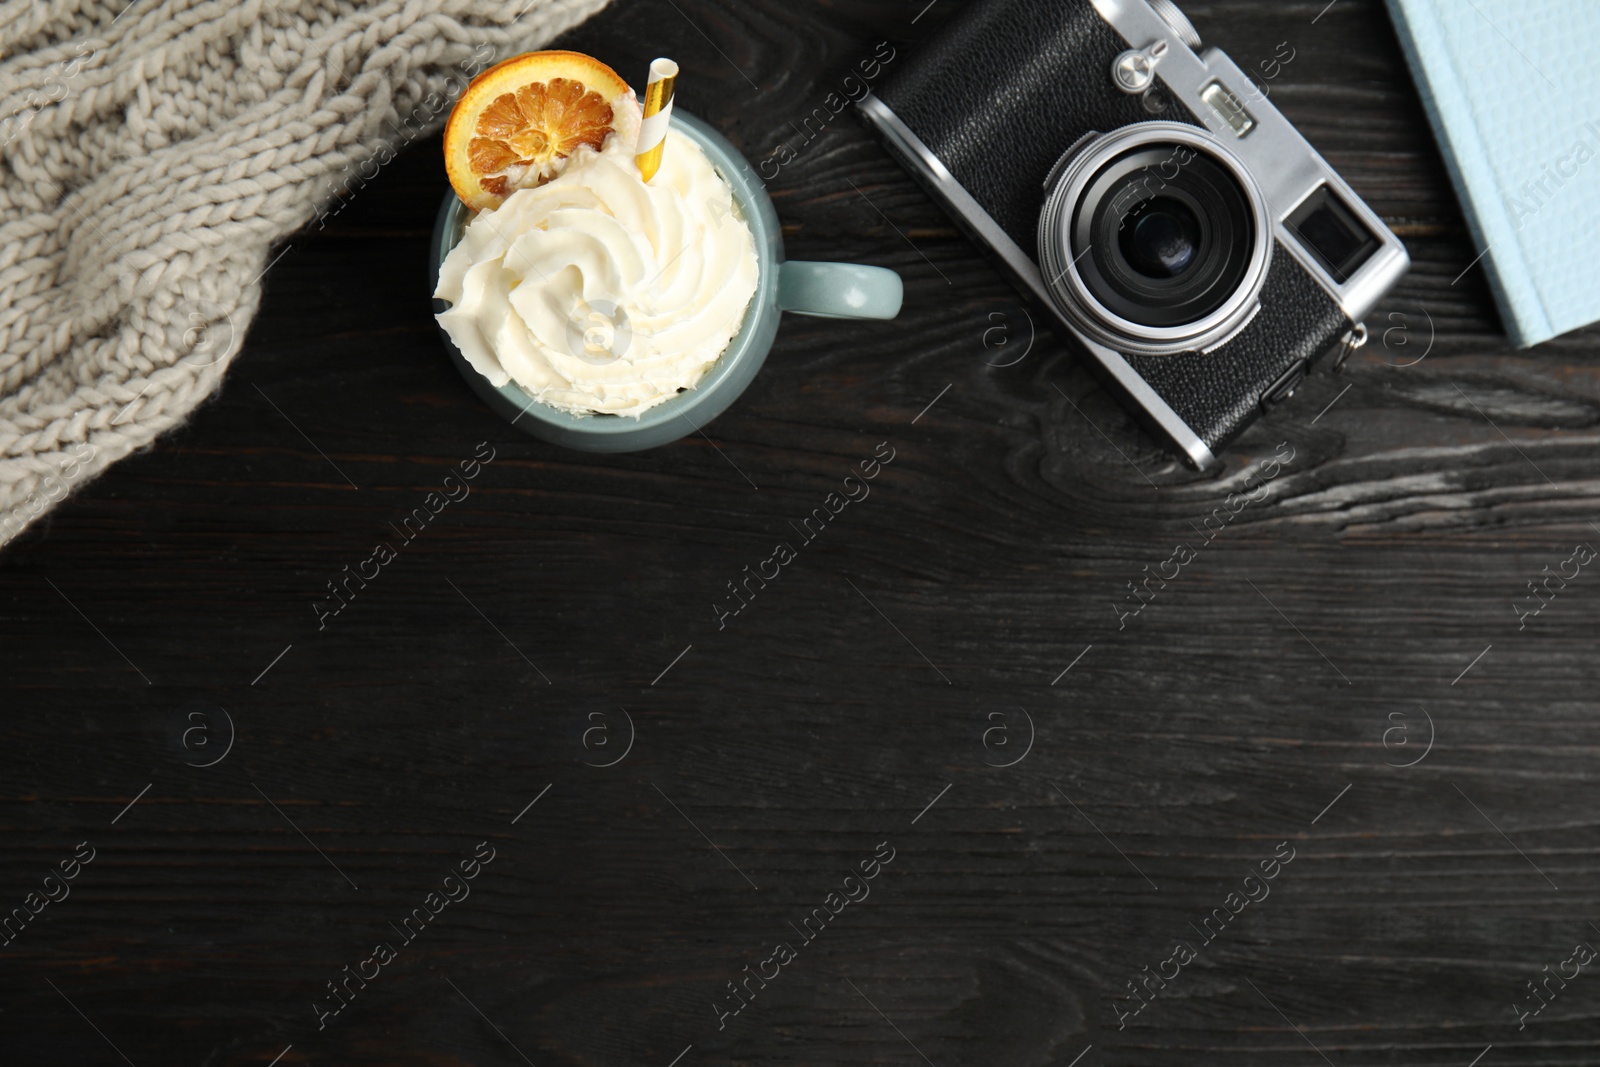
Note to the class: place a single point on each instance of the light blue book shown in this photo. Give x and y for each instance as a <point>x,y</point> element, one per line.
<point>1512,88</point>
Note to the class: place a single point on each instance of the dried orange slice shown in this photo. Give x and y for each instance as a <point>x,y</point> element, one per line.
<point>519,122</point>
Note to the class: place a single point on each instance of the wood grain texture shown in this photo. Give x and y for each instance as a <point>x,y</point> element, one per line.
<point>1268,694</point>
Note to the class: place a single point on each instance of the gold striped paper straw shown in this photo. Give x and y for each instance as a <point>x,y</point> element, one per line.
<point>657,116</point>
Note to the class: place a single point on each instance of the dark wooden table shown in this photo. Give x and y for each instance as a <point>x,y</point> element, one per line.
<point>1339,675</point>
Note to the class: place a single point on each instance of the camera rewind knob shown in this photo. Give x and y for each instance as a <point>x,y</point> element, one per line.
<point>1179,22</point>
<point>1354,338</point>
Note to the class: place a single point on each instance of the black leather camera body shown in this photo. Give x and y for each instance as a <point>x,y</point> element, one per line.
<point>1151,198</point>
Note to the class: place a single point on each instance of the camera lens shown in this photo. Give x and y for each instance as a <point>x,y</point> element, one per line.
<point>1167,232</point>
<point>1154,238</point>
<point>1159,241</point>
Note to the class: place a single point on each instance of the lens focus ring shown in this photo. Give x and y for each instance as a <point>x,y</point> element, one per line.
<point>1154,239</point>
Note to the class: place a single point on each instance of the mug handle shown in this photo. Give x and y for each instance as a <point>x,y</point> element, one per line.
<point>839,290</point>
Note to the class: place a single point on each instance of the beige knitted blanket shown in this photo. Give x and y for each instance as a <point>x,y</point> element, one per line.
<point>151,154</point>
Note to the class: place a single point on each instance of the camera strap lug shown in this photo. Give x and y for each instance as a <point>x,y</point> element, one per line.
<point>1353,339</point>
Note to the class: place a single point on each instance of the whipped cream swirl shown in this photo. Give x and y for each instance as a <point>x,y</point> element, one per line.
<point>599,293</point>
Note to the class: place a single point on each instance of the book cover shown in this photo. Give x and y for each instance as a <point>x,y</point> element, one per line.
<point>1512,88</point>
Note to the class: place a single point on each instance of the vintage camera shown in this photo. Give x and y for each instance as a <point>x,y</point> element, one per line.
<point>1150,197</point>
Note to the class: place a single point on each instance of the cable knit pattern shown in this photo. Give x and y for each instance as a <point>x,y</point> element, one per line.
<point>151,154</point>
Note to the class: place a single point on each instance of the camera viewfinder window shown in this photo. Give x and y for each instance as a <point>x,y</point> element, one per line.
<point>1228,108</point>
<point>1333,234</point>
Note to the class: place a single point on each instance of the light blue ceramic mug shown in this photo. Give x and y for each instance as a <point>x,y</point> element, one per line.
<point>829,290</point>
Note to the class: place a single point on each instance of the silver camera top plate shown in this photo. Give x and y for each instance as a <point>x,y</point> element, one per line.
<point>1286,168</point>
